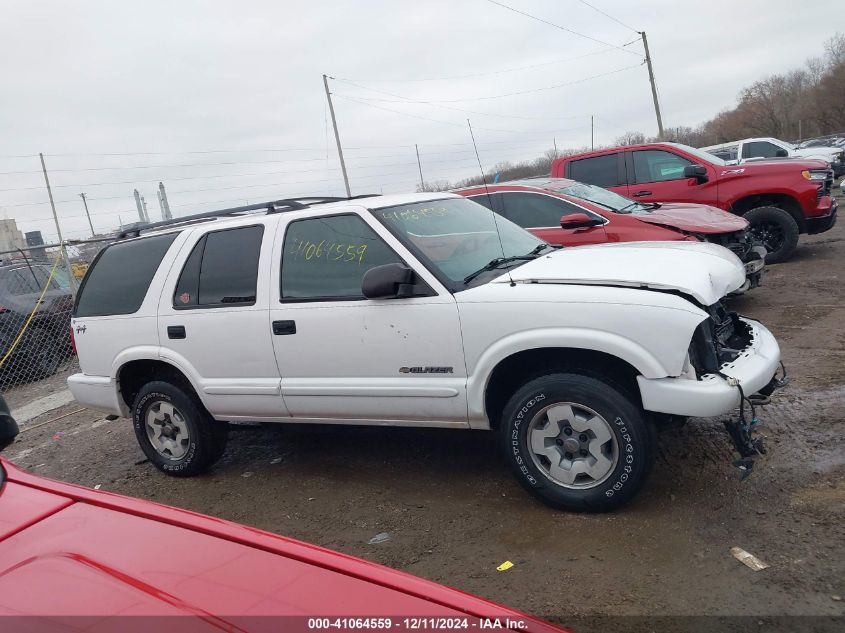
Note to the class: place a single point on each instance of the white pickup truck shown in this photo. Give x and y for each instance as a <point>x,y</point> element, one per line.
<point>737,152</point>
<point>423,310</point>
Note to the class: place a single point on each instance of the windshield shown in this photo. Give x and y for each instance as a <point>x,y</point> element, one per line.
<point>607,199</point>
<point>700,154</point>
<point>456,235</point>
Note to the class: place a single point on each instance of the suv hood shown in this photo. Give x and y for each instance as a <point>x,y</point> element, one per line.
<point>694,218</point>
<point>817,152</point>
<point>706,272</point>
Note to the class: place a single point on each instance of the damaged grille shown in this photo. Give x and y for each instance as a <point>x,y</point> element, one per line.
<point>738,242</point>
<point>719,339</point>
<point>826,187</point>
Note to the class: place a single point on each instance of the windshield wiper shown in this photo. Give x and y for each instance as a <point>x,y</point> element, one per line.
<point>495,263</point>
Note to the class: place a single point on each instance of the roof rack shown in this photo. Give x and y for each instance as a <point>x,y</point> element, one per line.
<point>273,206</point>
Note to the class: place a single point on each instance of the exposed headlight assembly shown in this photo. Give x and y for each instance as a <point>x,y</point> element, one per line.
<point>814,174</point>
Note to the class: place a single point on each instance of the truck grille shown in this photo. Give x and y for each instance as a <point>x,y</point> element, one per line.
<point>826,187</point>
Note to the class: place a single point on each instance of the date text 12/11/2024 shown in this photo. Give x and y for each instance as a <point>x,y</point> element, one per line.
<point>414,624</point>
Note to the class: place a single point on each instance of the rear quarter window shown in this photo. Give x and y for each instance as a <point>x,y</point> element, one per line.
<point>597,170</point>
<point>118,280</point>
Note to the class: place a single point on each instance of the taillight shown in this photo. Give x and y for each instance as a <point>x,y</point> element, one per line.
<point>72,339</point>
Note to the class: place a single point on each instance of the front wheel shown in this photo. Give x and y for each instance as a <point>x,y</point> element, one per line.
<point>776,230</point>
<point>577,443</point>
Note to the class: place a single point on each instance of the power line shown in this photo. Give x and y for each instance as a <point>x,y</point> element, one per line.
<point>558,26</point>
<point>379,176</point>
<point>484,74</point>
<point>445,107</point>
<point>512,94</point>
<point>239,151</point>
<point>427,154</point>
<point>607,15</point>
<point>263,173</point>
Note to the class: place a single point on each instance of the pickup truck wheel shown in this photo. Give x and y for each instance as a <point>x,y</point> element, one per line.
<point>576,442</point>
<point>776,230</point>
<point>175,432</point>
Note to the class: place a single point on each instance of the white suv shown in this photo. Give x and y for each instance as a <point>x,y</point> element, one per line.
<point>416,310</point>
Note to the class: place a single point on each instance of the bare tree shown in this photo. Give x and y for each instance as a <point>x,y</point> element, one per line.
<point>631,138</point>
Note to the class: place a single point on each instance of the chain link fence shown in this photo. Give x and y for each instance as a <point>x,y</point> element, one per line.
<point>37,290</point>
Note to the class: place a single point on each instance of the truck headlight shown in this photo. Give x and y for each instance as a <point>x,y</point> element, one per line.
<point>814,174</point>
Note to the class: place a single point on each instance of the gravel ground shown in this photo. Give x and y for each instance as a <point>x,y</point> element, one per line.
<point>454,512</point>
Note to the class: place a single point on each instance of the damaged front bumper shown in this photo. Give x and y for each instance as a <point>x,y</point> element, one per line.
<point>711,394</point>
<point>754,270</point>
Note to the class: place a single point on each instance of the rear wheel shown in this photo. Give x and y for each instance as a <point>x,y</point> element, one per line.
<point>577,442</point>
<point>776,230</point>
<point>174,430</point>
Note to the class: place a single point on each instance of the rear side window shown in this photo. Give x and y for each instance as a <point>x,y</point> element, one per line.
<point>19,282</point>
<point>485,199</point>
<point>222,270</point>
<point>326,258</point>
<point>118,280</point>
<point>536,210</point>
<point>598,170</point>
<point>760,149</point>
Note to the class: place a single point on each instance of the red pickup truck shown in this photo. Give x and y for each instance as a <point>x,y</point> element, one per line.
<point>780,198</point>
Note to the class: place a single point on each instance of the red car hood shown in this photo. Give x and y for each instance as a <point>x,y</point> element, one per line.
<point>78,552</point>
<point>694,218</point>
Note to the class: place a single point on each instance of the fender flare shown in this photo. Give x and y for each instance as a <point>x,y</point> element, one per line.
<point>571,337</point>
<point>153,353</point>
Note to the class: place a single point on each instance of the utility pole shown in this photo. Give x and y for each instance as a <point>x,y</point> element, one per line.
<point>554,142</point>
<point>592,134</point>
<point>419,164</point>
<point>653,87</point>
<point>62,250</point>
<point>337,137</point>
<point>146,213</point>
<point>88,215</point>
<point>165,205</point>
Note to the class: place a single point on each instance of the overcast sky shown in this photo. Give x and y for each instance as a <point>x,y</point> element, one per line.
<point>223,101</point>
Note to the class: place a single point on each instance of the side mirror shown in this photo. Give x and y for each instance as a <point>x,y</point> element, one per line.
<point>390,281</point>
<point>781,153</point>
<point>578,221</point>
<point>699,172</point>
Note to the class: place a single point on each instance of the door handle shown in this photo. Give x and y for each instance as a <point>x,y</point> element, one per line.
<point>176,331</point>
<point>641,193</point>
<point>280,328</point>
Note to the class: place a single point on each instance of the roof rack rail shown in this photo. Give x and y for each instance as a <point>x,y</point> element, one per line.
<point>273,206</point>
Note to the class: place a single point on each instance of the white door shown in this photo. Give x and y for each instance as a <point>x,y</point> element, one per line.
<point>214,321</point>
<point>345,358</point>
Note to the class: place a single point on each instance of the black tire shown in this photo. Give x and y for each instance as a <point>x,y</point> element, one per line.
<point>633,440</point>
<point>206,437</point>
<point>776,230</point>
<point>44,353</point>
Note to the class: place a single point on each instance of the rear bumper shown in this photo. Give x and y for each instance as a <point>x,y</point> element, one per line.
<point>712,395</point>
<point>822,223</point>
<point>96,392</point>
